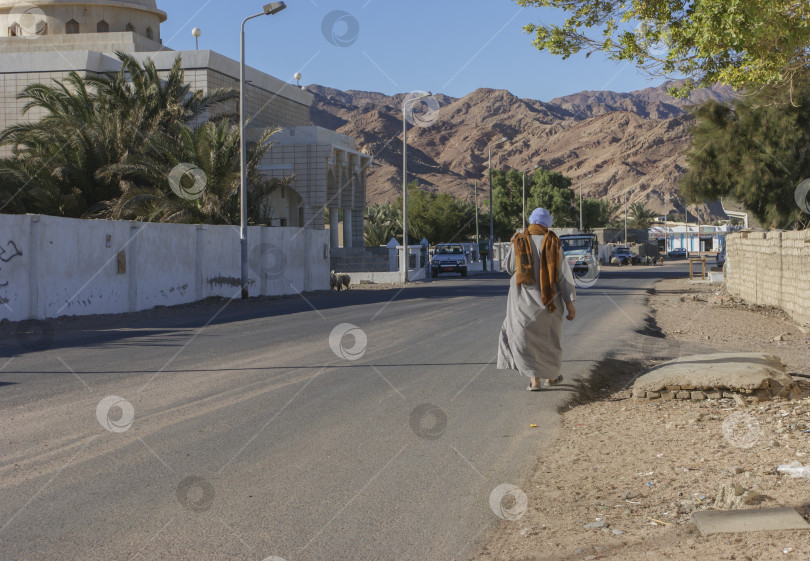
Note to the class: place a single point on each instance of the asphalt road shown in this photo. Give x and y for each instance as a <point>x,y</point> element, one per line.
<point>253,430</point>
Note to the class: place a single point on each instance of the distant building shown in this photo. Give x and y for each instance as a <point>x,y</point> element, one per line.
<point>616,235</point>
<point>47,41</point>
<point>709,238</point>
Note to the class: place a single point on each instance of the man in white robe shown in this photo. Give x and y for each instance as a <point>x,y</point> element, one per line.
<point>531,336</point>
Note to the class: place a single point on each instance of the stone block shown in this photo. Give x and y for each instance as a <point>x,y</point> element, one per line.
<point>750,520</point>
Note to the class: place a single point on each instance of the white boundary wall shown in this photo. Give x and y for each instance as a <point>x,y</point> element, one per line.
<point>52,267</point>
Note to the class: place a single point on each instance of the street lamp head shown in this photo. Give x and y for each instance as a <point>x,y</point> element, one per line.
<point>274,8</point>
<point>196,32</point>
<point>499,141</point>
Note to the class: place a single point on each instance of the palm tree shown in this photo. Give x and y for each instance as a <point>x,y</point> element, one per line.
<point>383,222</point>
<point>91,124</point>
<point>212,147</point>
<point>641,216</point>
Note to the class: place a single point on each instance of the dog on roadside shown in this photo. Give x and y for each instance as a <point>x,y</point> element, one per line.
<point>660,260</point>
<point>339,282</point>
<point>615,261</point>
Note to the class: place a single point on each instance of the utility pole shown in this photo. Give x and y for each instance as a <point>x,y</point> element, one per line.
<point>625,218</point>
<point>476,212</point>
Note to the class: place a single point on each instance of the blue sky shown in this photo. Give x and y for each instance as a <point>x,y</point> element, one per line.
<point>391,46</point>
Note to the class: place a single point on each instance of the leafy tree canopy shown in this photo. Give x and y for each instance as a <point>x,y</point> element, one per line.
<point>547,189</point>
<point>438,217</point>
<point>754,152</point>
<point>106,145</point>
<point>383,222</point>
<point>507,194</point>
<point>741,43</point>
<point>641,217</point>
<point>552,190</point>
<point>598,213</point>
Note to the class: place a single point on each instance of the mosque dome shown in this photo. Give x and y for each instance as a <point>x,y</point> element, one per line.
<point>61,17</point>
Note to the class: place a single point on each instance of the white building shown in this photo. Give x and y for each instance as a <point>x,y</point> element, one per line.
<point>49,39</point>
<point>708,239</point>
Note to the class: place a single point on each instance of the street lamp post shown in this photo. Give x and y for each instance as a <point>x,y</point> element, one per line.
<point>491,221</point>
<point>404,265</point>
<point>476,215</point>
<point>523,202</point>
<point>688,234</point>
<point>625,218</point>
<point>523,206</point>
<point>267,10</point>
<point>580,204</point>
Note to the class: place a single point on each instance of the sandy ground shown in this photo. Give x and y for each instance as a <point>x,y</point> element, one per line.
<point>641,468</point>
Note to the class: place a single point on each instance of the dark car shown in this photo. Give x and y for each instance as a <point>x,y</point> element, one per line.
<point>626,256</point>
<point>678,252</point>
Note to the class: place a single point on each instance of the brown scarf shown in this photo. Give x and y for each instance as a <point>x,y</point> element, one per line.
<point>549,261</point>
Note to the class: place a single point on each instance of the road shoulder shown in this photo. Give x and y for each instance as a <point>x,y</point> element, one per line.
<point>623,478</point>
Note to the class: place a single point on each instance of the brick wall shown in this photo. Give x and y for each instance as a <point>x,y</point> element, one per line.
<point>771,269</point>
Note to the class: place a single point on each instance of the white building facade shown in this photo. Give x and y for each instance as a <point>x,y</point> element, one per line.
<point>46,41</point>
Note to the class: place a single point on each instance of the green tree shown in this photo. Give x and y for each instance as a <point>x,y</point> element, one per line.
<point>507,200</point>
<point>383,221</point>
<point>753,151</point>
<point>212,147</point>
<point>438,217</point>
<point>551,190</point>
<point>59,165</point>
<point>596,213</point>
<point>742,43</point>
<point>640,216</point>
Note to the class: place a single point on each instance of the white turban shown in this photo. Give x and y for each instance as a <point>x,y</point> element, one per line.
<point>541,216</point>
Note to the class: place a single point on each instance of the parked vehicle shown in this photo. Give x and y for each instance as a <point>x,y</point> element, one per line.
<point>448,258</point>
<point>581,251</point>
<point>580,261</point>
<point>626,256</point>
<point>721,258</point>
<point>677,253</point>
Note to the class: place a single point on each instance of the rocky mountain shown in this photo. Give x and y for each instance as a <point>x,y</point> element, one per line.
<point>613,143</point>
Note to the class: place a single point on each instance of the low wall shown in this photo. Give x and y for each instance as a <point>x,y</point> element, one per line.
<point>51,267</point>
<point>360,259</point>
<point>771,269</point>
<point>385,277</point>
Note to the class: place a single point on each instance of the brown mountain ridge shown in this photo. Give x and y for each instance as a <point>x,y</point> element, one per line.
<point>614,143</point>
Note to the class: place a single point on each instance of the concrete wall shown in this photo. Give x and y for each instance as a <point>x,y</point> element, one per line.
<point>51,267</point>
<point>771,269</point>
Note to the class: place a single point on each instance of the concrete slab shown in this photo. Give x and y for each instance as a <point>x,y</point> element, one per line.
<point>751,520</point>
<point>745,372</point>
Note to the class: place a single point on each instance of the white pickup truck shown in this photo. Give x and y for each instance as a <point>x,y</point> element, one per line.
<point>448,258</point>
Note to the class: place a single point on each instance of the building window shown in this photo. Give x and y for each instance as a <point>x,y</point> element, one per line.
<point>103,27</point>
<point>129,27</point>
<point>14,30</point>
<point>72,27</point>
<point>149,32</point>
<point>42,28</point>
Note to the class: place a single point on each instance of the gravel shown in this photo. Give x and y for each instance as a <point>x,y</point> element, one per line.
<point>645,467</point>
